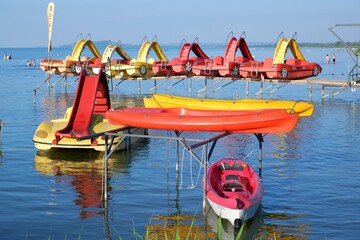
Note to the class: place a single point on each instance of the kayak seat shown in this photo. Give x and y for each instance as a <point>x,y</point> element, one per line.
<point>232,186</point>
<point>232,177</point>
<point>235,166</point>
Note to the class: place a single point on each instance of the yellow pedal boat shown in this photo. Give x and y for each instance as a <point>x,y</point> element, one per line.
<point>142,66</point>
<point>86,118</point>
<point>115,67</point>
<point>302,108</point>
<point>73,63</point>
<point>45,134</point>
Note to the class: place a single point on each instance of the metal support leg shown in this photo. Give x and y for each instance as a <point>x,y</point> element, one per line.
<point>201,90</point>
<point>190,86</point>
<point>205,87</point>
<point>61,78</point>
<point>206,163</point>
<point>139,87</point>
<point>66,83</point>
<point>260,138</point>
<point>106,168</point>
<point>177,156</point>
<point>154,86</point>
<point>271,92</point>
<point>232,81</point>
<point>34,96</point>
<point>247,88</point>
<point>175,84</point>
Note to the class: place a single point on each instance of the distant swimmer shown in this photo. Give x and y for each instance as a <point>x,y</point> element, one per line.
<point>31,62</point>
<point>333,58</point>
<point>7,57</point>
<point>327,58</point>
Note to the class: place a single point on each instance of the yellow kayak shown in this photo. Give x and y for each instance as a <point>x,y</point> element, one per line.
<point>302,108</point>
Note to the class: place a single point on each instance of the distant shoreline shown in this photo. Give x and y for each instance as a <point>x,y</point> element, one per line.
<point>250,44</point>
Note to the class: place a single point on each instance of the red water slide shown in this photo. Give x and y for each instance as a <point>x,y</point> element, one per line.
<point>92,97</point>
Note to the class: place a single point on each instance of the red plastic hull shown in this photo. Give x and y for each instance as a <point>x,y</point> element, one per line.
<point>233,189</point>
<point>182,119</point>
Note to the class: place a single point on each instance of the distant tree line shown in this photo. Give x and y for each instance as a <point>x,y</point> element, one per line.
<point>337,44</point>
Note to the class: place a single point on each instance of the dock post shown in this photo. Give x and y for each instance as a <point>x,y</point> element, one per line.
<point>34,96</point>
<point>106,168</point>
<point>190,86</point>
<point>177,157</point>
<point>106,179</point>
<point>206,163</point>
<point>261,88</point>
<point>323,93</point>
<point>139,88</point>
<point>310,91</point>
<point>66,83</point>
<point>155,85</point>
<point>205,87</point>
<point>247,88</point>
<point>260,139</point>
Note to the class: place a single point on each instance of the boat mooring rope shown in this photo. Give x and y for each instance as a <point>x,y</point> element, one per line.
<point>181,168</point>
<point>191,186</point>
<point>248,154</point>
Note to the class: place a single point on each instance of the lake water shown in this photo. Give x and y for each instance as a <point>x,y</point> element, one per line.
<point>311,175</point>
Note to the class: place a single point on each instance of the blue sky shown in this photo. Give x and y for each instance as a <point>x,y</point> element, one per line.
<point>24,22</point>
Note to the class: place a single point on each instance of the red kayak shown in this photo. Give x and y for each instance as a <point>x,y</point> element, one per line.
<point>183,119</point>
<point>234,190</point>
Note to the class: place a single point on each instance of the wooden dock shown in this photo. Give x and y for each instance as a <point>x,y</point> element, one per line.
<point>309,81</point>
<point>328,87</point>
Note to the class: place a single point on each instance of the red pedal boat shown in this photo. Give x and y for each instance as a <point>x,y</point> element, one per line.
<point>234,190</point>
<point>230,65</point>
<point>182,65</point>
<point>289,69</point>
<point>182,119</point>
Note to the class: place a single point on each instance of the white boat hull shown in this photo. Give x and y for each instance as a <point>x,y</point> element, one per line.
<point>233,214</point>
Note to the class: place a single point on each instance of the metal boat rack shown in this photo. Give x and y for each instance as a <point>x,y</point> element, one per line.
<point>270,86</point>
<point>188,143</point>
<point>354,74</point>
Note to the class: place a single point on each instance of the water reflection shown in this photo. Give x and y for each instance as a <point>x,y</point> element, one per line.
<point>227,229</point>
<point>256,228</point>
<point>85,169</point>
<point>279,228</point>
<point>55,105</point>
<point>178,227</point>
<point>121,100</point>
<point>1,153</point>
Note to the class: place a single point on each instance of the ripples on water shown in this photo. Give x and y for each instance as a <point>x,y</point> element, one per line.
<point>310,174</point>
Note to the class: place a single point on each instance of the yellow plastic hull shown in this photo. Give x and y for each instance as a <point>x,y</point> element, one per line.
<point>45,134</point>
<point>302,108</point>
<point>118,70</point>
<point>139,69</point>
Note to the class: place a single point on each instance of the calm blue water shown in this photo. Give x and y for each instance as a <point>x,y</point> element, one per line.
<point>311,175</point>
